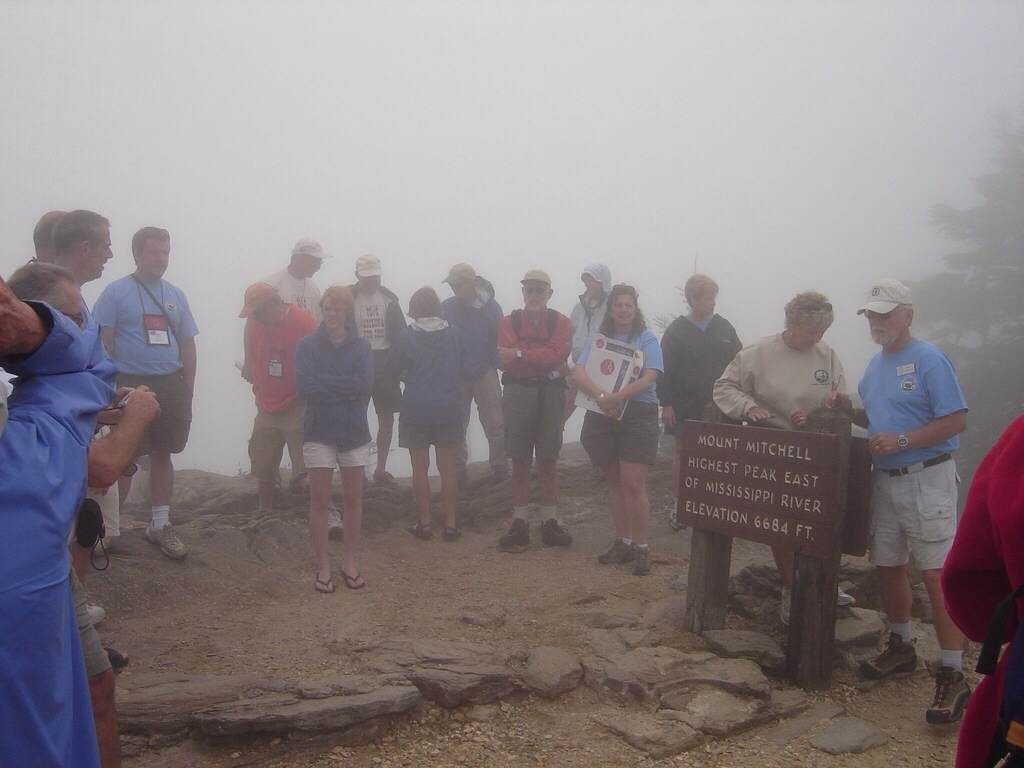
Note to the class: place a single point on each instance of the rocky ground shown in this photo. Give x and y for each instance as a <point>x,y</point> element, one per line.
<point>459,654</point>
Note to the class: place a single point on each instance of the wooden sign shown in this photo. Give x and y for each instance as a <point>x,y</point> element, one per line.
<point>770,485</point>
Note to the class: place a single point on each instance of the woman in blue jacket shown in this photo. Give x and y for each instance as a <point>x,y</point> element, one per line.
<point>334,374</point>
<point>431,365</point>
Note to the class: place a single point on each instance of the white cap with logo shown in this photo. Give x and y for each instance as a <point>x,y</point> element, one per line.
<point>368,266</point>
<point>307,246</point>
<point>885,295</point>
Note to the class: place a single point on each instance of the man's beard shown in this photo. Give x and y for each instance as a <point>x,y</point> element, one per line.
<point>881,336</point>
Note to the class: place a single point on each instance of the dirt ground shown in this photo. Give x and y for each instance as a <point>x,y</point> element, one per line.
<point>231,607</point>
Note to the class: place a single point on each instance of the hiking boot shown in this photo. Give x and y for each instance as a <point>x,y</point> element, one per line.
<point>421,531</point>
<point>552,534</point>
<point>451,534</point>
<point>335,528</point>
<point>951,695</point>
<point>898,657</point>
<point>642,566</point>
<point>517,538</point>
<point>167,540</point>
<point>95,613</point>
<point>618,552</point>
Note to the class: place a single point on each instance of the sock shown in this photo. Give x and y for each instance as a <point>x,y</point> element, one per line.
<point>642,547</point>
<point>161,516</point>
<point>953,659</point>
<point>903,630</point>
<point>627,542</point>
<point>549,512</point>
<point>520,513</point>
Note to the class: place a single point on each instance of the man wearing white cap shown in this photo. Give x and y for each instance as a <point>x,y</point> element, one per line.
<point>914,411</point>
<point>380,320</point>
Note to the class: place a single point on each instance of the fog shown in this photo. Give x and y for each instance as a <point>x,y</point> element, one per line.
<point>777,146</point>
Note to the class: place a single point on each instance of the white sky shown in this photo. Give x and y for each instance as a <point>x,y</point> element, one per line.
<point>783,145</point>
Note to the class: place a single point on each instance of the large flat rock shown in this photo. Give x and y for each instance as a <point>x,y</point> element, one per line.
<point>453,685</point>
<point>714,712</point>
<point>659,735</point>
<point>846,735</point>
<point>283,713</point>
<point>164,702</point>
<point>637,672</point>
<point>858,627</point>
<point>737,676</point>
<point>760,648</point>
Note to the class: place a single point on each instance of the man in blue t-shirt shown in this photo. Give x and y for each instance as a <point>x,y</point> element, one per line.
<point>149,331</point>
<point>914,411</point>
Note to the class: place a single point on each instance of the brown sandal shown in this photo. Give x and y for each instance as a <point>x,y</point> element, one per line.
<point>324,587</point>
<point>354,582</point>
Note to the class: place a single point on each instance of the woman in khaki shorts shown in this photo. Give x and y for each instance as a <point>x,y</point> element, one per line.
<point>334,374</point>
<point>624,444</point>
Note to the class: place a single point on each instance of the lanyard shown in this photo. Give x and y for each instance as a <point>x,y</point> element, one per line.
<point>142,302</point>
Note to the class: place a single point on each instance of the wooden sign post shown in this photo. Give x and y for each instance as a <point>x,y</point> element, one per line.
<point>778,487</point>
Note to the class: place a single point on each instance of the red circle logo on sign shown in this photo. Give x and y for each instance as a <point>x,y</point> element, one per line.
<point>607,366</point>
<point>599,343</point>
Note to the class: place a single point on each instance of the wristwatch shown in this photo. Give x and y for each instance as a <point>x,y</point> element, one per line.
<point>902,442</point>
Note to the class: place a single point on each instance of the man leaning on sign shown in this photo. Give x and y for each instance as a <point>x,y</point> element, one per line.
<point>913,410</point>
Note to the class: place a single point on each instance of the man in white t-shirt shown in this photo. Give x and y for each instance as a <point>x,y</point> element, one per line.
<point>379,320</point>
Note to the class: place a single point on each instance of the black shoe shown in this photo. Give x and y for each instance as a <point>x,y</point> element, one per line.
<point>642,566</point>
<point>517,538</point>
<point>421,531</point>
<point>451,534</point>
<point>618,552</point>
<point>552,534</point>
<point>118,660</point>
<point>951,695</point>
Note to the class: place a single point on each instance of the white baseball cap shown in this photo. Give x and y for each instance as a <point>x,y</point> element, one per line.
<point>367,266</point>
<point>307,246</point>
<point>885,295</point>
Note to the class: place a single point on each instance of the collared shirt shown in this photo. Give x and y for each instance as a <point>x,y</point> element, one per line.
<point>122,306</point>
<point>273,358</point>
<point>905,390</point>
<point>45,715</point>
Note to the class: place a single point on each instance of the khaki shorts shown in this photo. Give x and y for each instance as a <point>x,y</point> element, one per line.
<point>533,419</point>
<point>271,432</point>
<point>96,659</point>
<point>322,456</point>
<point>914,515</point>
<point>632,438</point>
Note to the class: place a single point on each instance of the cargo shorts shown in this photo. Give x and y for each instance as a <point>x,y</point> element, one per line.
<point>914,515</point>
<point>533,419</point>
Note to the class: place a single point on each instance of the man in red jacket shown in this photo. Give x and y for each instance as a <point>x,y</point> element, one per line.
<point>533,344</point>
<point>985,565</point>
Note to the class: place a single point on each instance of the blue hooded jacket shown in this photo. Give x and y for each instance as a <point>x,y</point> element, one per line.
<point>336,382</point>
<point>430,368</point>
<point>478,328</point>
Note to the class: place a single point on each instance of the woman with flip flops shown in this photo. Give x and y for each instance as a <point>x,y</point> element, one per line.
<point>334,373</point>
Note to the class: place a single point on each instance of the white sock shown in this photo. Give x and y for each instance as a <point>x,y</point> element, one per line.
<point>952,659</point>
<point>520,513</point>
<point>549,512</point>
<point>903,630</point>
<point>627,542</point>
<point>642,547</point>
<point>161,516</point>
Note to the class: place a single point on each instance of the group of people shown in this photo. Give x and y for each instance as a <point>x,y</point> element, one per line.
<point>97,389</point>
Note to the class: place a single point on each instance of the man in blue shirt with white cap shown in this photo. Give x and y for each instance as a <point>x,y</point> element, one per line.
<point>914,411</point>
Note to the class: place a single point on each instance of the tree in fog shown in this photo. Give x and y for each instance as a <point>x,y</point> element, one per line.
<point>975,309</point>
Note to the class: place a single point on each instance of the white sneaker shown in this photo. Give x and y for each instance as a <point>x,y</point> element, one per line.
<point>784,601</point>
<point>167,540</point>
<point>95,613</point>
<point>335,528</point>
<point>844,599</point>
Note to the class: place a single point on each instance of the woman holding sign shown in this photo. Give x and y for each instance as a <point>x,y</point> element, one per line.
<point>777,382</point>
<point>622,439</point>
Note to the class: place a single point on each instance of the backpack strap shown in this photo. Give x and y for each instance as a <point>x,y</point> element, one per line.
<point>989,656</point>
<point>517,322</point>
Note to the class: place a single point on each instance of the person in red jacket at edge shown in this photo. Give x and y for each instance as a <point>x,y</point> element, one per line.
<point>533,344</point>
<point>985,565</point>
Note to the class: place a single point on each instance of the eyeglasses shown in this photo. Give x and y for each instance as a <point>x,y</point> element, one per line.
<point>535,290</point>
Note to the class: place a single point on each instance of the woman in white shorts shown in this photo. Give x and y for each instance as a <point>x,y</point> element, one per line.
<point>334,374</point>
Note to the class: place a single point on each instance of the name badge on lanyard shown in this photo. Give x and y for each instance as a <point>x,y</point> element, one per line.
<point>275,367</point>
<point>155,328</point>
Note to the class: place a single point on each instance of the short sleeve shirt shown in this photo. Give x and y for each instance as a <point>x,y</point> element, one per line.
<point>125,305</point>
<point>371,318</point>
<point>907,389</point>
<point>651,347</point>
<point>273,363</point>
<point>300,291</point>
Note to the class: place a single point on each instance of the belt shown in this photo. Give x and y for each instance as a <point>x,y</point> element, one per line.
<point>912,468</point>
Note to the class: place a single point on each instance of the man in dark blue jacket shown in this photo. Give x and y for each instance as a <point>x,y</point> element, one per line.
<point>475,313</point>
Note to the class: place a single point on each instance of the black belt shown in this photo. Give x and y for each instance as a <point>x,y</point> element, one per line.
<point>912,468</point>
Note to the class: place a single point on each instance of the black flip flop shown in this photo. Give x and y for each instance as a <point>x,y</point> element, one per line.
<point>352,582</point>
<point>324,587</point>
